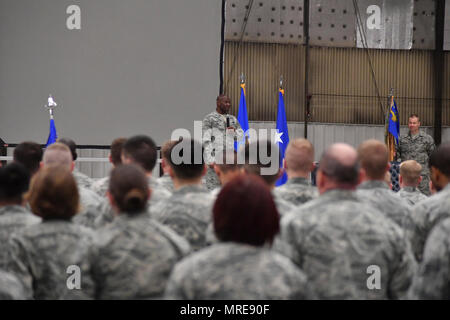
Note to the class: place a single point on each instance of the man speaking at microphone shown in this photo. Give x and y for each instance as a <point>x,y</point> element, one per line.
<point>220,131</point>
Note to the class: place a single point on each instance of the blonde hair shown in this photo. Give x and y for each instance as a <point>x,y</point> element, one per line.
<point>299,155</point>
<point>374,157</point>
<point>58,154</point>
<point>410,171</point>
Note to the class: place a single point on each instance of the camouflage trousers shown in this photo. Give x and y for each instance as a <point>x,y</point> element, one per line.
<point>212,181</point>
<point>424,185</point>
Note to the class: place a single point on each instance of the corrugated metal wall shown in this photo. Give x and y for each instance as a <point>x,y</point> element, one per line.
<point>340,81</point>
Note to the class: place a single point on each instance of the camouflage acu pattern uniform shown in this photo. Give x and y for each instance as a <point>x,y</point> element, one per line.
<point>107,213</point>
<point>411,195</point>
<point>11,288</point>
<point>91,206</point>
<point>230,270</point>
<point>12,219</point>
<point>432,280</point>
<point>426,215</point>
<point>82,179</point>
<point>283,206</point>
<point>336,237</point>
<point>101,186</point>
<point>41,254</point>
<point>417,147</point>
<point>188,212</point>
<point>166,182</point>
<point>133,257</point>
<point>215,140</point>
<point>297,191</point>
<point>378,195</point>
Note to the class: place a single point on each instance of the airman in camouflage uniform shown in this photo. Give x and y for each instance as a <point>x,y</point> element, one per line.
<point>133,257</point>
<point>41,254</point>
<point>373,157</point>
<point>187,212</point>
<point>432,280</point>
<point>217,137</point>
<point>412,195</point>
<point>12,219</point>
<point>335,238</point>
<point>82,180</point>
<point>298,163</point>
<point>166,182</point>
<point>237,271</point>
<point>11,288</point>
<point>91,206</point>
<point>101,186</point>
<point>417,145</point>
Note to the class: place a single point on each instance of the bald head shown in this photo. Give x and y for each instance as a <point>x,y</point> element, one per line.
<point>299,157</point>
<point>58,154</point>
<point>374,159</point>
<point>410,172</point>
<point>339,164</point>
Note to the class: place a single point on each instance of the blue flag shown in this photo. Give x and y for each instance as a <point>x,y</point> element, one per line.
<point>282,138</point>
<point>52,136</point>
<point>394,121</point>
<point>242,118</point>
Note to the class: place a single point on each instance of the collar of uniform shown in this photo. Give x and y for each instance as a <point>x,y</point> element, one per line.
<point>341,194</point>
<point>420,133</point>
<point>298,180</point>
<point>373,184</point>
<point>192,188</point>
<point>446,188</point>
<point>13,208</point>
<point>409,189</point>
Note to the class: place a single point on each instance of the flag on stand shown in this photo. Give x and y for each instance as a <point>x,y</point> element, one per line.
<point>282,137</point>
<point>52,136</point>
<point>393,129</point>
<point>242,118</point>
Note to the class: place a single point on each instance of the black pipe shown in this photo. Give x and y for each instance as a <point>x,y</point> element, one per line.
<point>306,37</point>
<point>438,67</point>
<point>222,47</point>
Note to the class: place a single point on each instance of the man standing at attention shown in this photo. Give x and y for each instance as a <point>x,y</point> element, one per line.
<point>417,145</point>
<point>220,131</point>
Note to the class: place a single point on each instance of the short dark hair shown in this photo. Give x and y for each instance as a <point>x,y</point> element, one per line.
<point>142,150</point>
<point>194,167</point>
<point>374,158</point>
<point>54,194</point>
<point>28,154</point>
<point>245,212</point>
<point>72,146</point>
<point>414,115</point>
<point>128,185</point>
<point>440,159</point>
<point>14,181</point>
<point>255,168</point>
<point>116,150</point>
<point>337,171</point>
<point>165,149</point>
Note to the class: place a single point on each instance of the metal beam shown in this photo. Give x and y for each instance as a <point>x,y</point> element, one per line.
<point>438,66</point>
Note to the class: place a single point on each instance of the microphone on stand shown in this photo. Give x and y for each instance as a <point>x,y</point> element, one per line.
<point>228,122</point>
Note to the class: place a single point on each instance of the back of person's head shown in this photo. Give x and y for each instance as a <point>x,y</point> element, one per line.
<point>54,194</point>
<point>14,181</point>
<point>58,154</point>
<point>410,172</point>
<point>166,147</point>
<point>374,159</point>
<point>116,151</point>
<point>186,159</point>
<point>129,189</point>
<point>299,156</point>
<point>260,155</point>
<point>245,212</point>
<point>339,163</point>
<point>228,161</point>
<point>141,150</point>
<point>72,146</point>
<point>440,159</point>
<point>28,154</point>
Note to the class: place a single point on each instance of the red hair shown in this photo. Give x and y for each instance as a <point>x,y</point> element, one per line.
<point>245,212</point>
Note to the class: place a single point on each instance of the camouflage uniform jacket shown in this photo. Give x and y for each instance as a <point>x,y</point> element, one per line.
<point>426,215</point>
<point>166,182</point>
<point>133,257</point>
<point>378,195</point>
<point>432,280</point>
<point>42,255</point>
<point>411,195</point>
<point>101,186</point>
<point>297,191</point>
<point>215,136</point>
<point>416,147</point>
<point>336,238</point>
<point>82,179</point>
<point>91,206</point>
<point>12,219</point>
<point>188,212</point>
<point>11,288</point>
<point>230,270</point>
